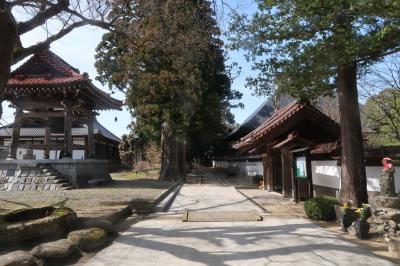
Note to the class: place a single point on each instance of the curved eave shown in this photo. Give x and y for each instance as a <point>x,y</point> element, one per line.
<point>99,100</point>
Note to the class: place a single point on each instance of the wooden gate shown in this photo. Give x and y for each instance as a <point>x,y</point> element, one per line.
<point>301,175</point>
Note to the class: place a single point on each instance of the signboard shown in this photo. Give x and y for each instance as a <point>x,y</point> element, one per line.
<point>300,167</point>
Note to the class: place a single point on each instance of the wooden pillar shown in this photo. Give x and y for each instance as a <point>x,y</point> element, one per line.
<point>90,138</point>
<point>12,150</point>
<point>295,182</point>
<point>47,141</point>
<point>67,129</point>
<point>286,173</point>
<point>270,171</point>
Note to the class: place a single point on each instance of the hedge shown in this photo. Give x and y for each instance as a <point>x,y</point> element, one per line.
<point>321,208</point>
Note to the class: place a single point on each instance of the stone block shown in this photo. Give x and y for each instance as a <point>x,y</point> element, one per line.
<point>88,239</point>
<point>33,172</point>
<point>24,172</point>
<point>54,250</point>
<point>17,258</point>
<point>21,187</point>
<point>392,224</point>
<point>394,247</point>
<point>40,187</point>
<point>387,202</point>
<point>10,172</point>
<point>52,187</point>
<point>28,180</point>
<point>34,187</point>
<point>27,187</point>
<point>46,187</point>
<point>36,223</point>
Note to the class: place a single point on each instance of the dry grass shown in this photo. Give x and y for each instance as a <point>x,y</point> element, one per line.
<point>134,175</point>
<point>82,199</point>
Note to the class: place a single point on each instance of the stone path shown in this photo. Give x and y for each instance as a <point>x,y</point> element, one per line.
<point>165,240</point>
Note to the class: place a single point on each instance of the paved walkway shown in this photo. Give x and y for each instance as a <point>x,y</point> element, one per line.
<point>166,240</point>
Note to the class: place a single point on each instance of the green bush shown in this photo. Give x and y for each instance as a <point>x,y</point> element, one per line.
<point>321,208</point>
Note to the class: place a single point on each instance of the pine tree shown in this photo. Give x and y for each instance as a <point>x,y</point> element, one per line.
<point>171,67</point>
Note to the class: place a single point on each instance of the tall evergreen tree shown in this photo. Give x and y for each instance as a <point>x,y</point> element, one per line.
<point>171,66</point>
<point>309,48</point>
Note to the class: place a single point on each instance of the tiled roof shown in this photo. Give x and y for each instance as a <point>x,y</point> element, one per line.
<point>45,68</point>
<point>278,119</point>
<point>326,148</point>
<point>46,73</point>
<point>259,116</point>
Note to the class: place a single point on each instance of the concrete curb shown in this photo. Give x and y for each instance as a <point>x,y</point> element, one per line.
<point>165,193</point>
<point>164,205</point>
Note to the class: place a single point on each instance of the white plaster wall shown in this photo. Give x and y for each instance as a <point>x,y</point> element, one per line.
<point>39,154</point>
<point>245,168</point>
<point>327,174</point>
<point>54,155</point>
<point>78,154</point>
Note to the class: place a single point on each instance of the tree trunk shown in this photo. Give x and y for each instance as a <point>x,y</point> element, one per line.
<point>353,177</point>
<point>172,156</point>
<point>8,33</point>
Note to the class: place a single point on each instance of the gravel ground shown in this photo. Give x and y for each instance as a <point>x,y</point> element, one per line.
<point>81,199</point>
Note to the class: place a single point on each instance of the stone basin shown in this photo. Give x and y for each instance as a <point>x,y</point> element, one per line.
<point>35,223</point>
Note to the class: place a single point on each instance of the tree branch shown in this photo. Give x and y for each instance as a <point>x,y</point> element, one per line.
<point>20,54</point>
<point>42,16</point>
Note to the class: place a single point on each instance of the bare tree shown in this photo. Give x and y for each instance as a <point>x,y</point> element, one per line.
<point>63,15</point>
<point>381,90</point>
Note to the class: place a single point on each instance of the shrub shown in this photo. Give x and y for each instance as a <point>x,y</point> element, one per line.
<point>321,208</point>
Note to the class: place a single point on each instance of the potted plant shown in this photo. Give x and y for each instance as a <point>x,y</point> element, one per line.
<point>361,225</point>
<point>345,214</point>
<point>347,217</point>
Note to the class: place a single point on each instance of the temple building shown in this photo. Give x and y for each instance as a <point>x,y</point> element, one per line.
<point>32,136</point>
<point>55,117</point>
<point>296,151</point>
<point>56,108</point>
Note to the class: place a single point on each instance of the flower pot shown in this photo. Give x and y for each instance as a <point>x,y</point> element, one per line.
<point>362,229</point>
<point>345,222</point>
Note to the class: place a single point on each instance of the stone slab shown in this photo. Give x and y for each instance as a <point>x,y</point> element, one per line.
<point>221,216</point>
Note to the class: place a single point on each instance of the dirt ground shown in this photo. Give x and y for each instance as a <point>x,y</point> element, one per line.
<point>274,204</point>
<point>82,199</point>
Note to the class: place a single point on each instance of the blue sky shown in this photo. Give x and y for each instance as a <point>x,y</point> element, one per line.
<point>78,49</point>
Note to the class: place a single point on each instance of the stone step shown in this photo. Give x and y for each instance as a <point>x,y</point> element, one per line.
<point>60,181</point>
<point>63,185</point>
<point>49,174</point>
<point>65,188</point>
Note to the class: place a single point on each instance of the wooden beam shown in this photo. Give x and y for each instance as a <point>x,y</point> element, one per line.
<point>91,148</point>
<point>67,129</point>
<point>47,142</point>
<point>42,146</point>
